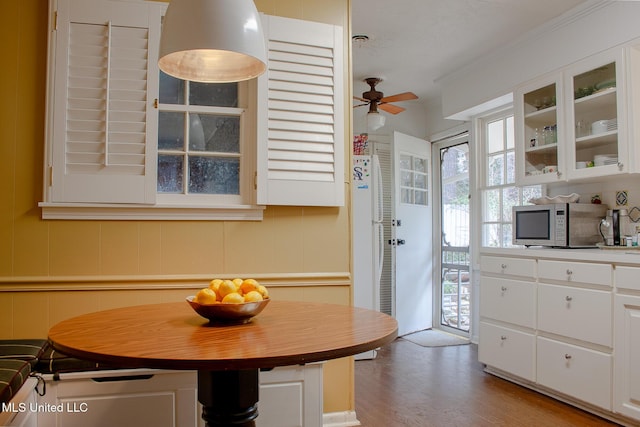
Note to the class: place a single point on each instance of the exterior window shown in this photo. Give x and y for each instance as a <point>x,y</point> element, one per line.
<point>200,129</point>
<point>499,192</point>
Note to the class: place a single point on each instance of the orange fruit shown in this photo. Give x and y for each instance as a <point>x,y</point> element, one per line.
<point>206,296</point>
<point>252,296</point>
<point>233,298</point>
<point>237,282</point>
<point>248,286</point>
<point>263,291</point>
<point>215,284</point>
<point>226,287</point>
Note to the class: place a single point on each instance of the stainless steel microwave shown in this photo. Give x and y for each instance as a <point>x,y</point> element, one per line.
<point>559,225</point>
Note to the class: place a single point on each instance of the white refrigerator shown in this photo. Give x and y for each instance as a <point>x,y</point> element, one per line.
<point>368,234</point>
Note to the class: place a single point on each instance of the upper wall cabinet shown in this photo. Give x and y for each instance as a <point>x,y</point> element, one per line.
<point>572,125</point>
<point>539,127</point>
<point>595,91</point>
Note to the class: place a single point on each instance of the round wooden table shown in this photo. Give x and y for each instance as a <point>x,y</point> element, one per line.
<point>227,358</point>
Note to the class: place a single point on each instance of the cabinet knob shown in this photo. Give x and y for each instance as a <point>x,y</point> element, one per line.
<point>569,272</point>
<point>568,298</point>
<point>503,338</point>
<point>503,266</point>
<point>567,356</point>
<point>504,289</point>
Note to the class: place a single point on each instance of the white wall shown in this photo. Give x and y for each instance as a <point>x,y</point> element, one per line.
<point>596,26</point>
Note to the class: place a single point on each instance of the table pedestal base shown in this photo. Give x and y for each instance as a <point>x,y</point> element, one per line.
<point>229,398</point>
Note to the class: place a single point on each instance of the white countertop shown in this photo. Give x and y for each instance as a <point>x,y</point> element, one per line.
<point>616,256</point>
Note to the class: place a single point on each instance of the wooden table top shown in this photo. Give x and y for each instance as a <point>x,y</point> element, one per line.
<point>173,336</point>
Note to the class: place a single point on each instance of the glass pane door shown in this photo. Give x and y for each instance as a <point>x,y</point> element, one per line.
<point>455,218</point>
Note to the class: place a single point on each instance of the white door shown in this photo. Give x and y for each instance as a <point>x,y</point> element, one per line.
<point>412,237</point>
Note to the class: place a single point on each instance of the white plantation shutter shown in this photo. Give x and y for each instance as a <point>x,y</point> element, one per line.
<point>301,115</point>
<point>103,121</point>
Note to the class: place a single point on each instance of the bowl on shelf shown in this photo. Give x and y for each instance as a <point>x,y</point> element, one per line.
<point>602,126</point>
<point>228,313</point>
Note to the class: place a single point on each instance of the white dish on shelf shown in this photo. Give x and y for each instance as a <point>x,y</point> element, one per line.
<point>546,200</point>
<point>602,126</point>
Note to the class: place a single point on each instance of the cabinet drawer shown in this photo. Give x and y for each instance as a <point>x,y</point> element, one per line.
<point>627,278</point>
<point>577,371</point>
<point>584,314</point>
<point>508,350</point>
<point>508,300</point>
<point>523,267</point>
<point>579,272</point>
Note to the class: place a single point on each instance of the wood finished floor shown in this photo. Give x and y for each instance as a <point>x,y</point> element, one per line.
<point>410,385</point>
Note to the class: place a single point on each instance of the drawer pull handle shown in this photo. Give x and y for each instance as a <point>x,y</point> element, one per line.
<point>567,356</point>
<point>503,266</point>
<point>569,272</point>
<point>568,298</point>
<point>504,289</point>
<point>503,338</point>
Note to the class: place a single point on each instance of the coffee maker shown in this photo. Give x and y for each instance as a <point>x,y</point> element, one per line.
<point>616,226</point>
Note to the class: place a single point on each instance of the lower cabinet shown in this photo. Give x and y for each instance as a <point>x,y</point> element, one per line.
<point>575,371</point>
<point>289,396</point>
<point>507,349</point>
<point>626,392</point>
<point>581,344</point>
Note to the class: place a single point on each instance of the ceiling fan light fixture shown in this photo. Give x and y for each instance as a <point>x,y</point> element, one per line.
<point>212,41</point>
<point>375,121</point>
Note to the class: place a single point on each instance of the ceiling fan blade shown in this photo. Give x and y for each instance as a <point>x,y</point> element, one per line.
<point>406,96</point>
<point>361,99</point>
<point>389,108</point>
<point>360,105</point>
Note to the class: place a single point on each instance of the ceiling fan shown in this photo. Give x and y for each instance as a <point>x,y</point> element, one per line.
<point>375,99</point>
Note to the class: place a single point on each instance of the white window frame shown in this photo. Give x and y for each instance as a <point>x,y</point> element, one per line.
<point>246,111</point>
<point>502,222</point>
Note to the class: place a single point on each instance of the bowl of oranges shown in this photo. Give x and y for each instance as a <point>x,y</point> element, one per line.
<point>230,301</point>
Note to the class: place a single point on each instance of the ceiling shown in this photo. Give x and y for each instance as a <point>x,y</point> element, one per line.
<point>413,43</point>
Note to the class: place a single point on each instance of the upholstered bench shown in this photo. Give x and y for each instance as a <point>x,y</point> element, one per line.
<point>17,360</point>
<point>53,362</point>
<point>13,374</point>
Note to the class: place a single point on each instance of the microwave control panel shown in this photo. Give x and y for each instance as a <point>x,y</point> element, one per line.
<point>560,227</point>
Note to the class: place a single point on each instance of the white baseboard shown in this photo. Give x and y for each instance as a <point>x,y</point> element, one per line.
<point>340,419</point>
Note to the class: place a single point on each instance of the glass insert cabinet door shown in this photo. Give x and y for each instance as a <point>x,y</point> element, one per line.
<point>199,134</point>
<point>597,138</point>
<point>539,130</point>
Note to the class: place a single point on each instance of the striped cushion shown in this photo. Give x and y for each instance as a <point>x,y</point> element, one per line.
<point>24,349</point>
<point>13,373</point>
<point>52,361</point>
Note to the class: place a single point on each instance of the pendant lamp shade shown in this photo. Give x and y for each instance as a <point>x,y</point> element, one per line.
<point>212,41</point>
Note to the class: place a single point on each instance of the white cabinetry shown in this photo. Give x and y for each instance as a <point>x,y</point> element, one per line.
<point>572,124</point>
<point>290,396</point>
<point>574,330</point>
<point>626,391</point>
<point>507,315</point>
<point>564,326</point>
<point>595,92</point>
<point>539,127</point>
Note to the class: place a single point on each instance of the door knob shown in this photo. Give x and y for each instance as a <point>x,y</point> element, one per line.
<point>400,242</point>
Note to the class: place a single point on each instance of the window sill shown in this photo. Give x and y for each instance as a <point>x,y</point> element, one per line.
<point>83,211</point>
